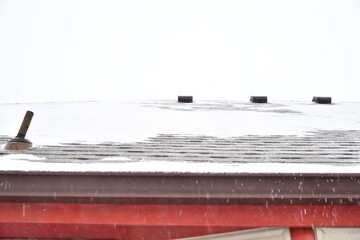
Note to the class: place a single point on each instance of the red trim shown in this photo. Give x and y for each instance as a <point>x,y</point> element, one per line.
<point>111,220</point>
<point>302,234</point>
<point>182,215</point>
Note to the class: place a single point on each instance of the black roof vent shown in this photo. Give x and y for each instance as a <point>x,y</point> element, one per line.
<point>322,100</point>
<point>258,99</point>
<point>185,99</point>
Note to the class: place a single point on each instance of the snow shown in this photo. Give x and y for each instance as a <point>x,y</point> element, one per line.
<point>28,163</point>
<point>96,122</point>
<point>93,122</point>
<point>20,157</point>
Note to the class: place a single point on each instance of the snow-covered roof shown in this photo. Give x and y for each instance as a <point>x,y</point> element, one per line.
<point>217,137</point>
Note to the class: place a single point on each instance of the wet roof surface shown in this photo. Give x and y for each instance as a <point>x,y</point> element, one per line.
<point>329,135</point>
<point>338,147</point>
<point>202,154</point>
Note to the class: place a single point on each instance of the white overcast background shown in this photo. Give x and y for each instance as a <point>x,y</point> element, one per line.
<point>82,50</point>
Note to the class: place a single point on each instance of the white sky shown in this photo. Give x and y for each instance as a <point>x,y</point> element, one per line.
<point>157,49</point>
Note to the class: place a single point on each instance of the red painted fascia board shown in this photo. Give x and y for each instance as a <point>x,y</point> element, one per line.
<point>181,215</point>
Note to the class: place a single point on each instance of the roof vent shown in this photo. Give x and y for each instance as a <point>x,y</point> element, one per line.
<point>322,100</point>
<point>185,99</point>
<point>258,99</point>
<point>19,142</point>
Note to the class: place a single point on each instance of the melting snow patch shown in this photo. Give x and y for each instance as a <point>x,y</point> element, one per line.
<point>14,157</point>
<point>115,159</point>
